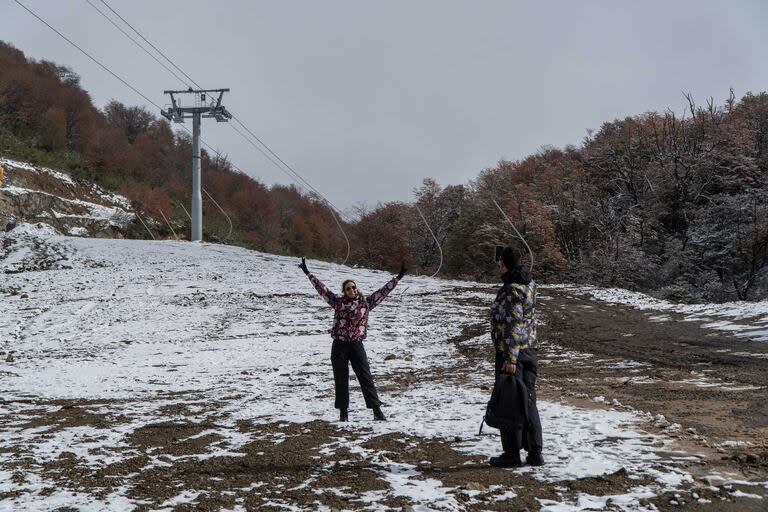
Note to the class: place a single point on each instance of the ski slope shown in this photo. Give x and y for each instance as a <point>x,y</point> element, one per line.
<point>129,329</point>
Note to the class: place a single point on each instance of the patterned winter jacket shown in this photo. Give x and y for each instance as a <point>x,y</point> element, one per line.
<point>350,321</point>
<point>513,326</point>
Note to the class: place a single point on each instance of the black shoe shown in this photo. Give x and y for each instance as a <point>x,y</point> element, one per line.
<point>534,458</point>
<point>507,460</point>
<point>343,415</point>
<point>378,415</point>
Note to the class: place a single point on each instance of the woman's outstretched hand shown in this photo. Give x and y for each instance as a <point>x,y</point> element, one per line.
<point>303,265</point>
<point>402,272</point>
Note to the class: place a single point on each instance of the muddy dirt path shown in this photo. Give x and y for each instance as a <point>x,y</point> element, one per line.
<point>712,384</point>
<point>695,376</point>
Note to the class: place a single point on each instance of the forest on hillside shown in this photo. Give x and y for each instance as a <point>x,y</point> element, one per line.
<point>672,203</point>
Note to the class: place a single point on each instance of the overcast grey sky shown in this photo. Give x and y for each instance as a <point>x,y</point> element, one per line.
<point>367,98</point>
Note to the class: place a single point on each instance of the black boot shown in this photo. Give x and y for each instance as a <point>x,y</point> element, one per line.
<point>507,460</point>
<point>534,458</point>
<point>343,415</point>
<point>378,415</point>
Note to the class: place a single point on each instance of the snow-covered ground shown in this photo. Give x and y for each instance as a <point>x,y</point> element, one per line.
<point>132,326</point>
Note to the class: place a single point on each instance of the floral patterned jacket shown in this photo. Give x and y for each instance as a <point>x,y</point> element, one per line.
<point>513,327</point>
<point>350,322</point>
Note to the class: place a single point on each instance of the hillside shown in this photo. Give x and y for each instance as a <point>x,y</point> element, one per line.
<point>32,194</point>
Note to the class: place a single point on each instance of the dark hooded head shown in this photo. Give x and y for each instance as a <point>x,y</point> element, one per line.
<point>515,271</point>
<point>511,258</point>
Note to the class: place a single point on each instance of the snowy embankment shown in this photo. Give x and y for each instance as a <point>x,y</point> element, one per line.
<point>132,328</point>
<point>743,319</point>
<point>31,193</point>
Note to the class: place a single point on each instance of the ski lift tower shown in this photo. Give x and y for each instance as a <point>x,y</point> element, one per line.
<point>205,105</point>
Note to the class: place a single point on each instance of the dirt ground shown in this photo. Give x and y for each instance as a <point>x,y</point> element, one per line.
<point>694,376</point>
<point>690,380</point>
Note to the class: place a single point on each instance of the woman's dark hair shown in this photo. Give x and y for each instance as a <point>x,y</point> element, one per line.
<point>511,257</point>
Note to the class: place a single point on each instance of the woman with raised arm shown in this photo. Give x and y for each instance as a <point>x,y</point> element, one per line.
<point>350,328</point>
<point>513,332</point>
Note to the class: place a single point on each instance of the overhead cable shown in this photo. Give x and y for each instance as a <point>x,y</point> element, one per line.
<point>285,165</point>
<point>433,236</point>
<point>126,34</point>
<point>150,44</point>
<point>521,237</point>
<point>94,59</point>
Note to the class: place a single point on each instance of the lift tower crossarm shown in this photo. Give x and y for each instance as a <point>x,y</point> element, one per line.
<point>188,91</point>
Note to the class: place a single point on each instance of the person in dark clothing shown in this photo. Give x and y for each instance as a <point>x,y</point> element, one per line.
<point>350,328</point>
<point>513,332</point>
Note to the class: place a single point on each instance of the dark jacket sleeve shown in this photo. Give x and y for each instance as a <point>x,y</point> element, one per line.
<point>331,298</point>
<point>379,295</point>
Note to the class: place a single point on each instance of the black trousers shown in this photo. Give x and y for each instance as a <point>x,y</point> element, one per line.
<point>342,354</point>
<point>529,438</point>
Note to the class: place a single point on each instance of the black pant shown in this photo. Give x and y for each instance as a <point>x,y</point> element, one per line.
<point>530,437</point>
<point>343,353</point>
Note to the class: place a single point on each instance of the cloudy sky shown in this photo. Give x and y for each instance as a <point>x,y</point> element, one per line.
<point>366,98</point>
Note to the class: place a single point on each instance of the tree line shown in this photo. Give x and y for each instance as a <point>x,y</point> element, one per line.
<point>671,203</point>
<point>674,204</point>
